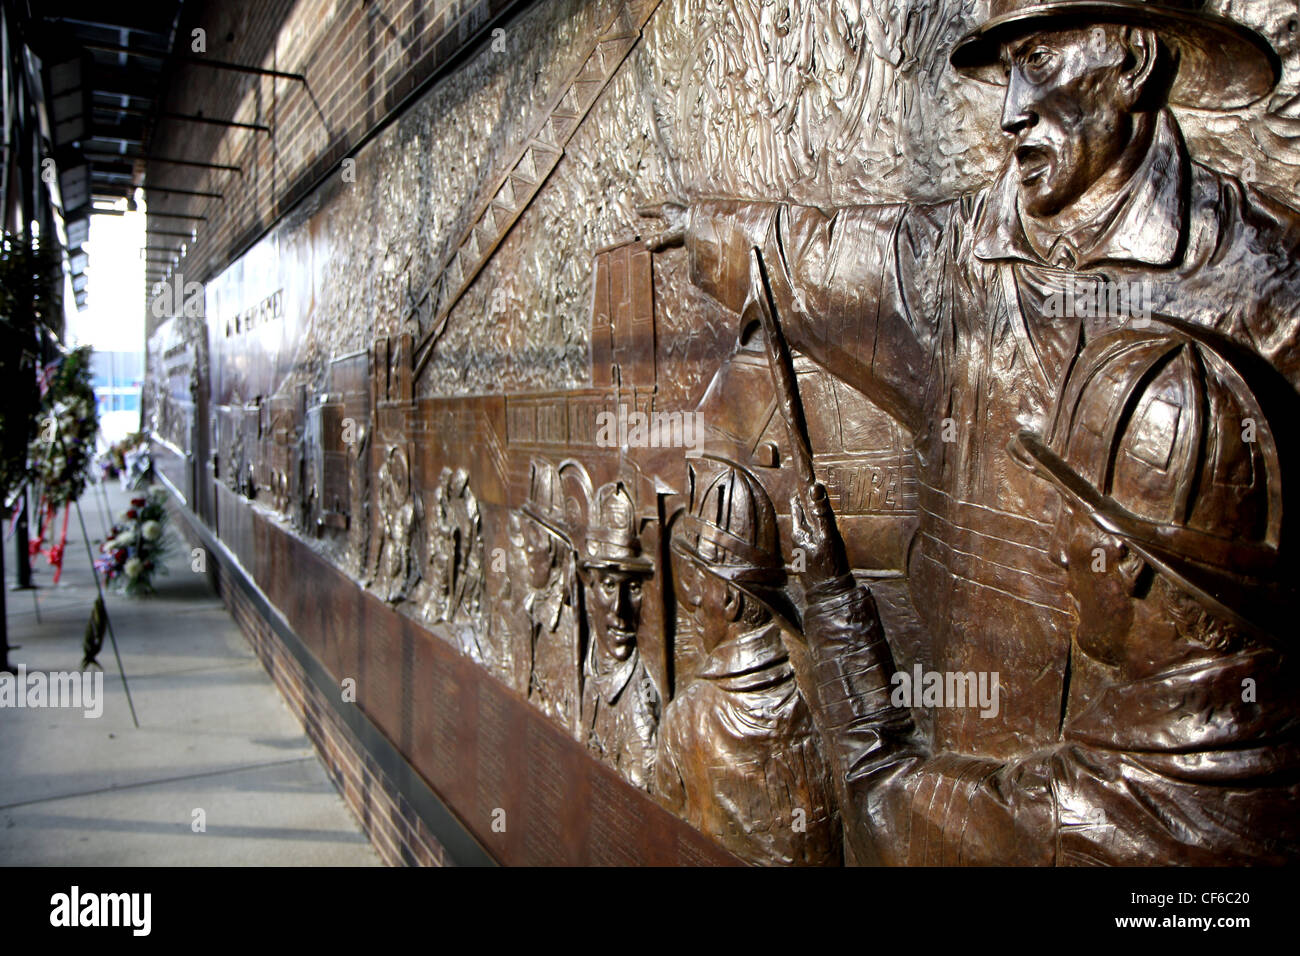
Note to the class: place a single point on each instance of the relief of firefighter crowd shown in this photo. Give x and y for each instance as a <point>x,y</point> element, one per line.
<point>895,532</point>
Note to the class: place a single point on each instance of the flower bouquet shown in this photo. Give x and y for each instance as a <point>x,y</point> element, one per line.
<point>137,545</point>
<point>138,470</point>
<point>112,463</point>
<point>64,445</point>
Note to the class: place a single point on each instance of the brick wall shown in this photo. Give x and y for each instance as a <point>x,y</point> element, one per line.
<point>395,830</point>
<point>361,60</point>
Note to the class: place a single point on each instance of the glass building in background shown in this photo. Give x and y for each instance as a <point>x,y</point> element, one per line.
<point>117,377</point>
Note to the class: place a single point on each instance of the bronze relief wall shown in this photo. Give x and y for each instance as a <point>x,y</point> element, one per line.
<point>863,430</point>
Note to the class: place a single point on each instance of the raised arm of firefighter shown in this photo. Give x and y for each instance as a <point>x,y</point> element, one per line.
<point>858,290</point>
<point>901,805</point>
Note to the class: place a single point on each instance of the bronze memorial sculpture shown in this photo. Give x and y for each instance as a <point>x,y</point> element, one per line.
<point>620,703</point>
<point>739,757</point>
<point>709,482</point>
<point>948,315</point>
<point>1168,637</point>
<point>551,604</point>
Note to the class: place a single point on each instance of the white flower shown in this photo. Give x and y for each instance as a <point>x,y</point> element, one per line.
<point>150,530</point>
<point>127,537</point>
<point>132,567</point>
<point>157,494</point>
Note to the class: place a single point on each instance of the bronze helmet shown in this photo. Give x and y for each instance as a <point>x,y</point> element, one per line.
<point>730,531</point>
<point>612,540</point>
<point>545,502</point>
<point>1166,439</point>
<point>1221,63</point>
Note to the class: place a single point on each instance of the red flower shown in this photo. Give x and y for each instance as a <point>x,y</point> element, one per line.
<point>119,555</point>
<point>137,502</point>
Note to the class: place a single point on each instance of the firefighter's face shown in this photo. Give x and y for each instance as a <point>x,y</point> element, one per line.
<point>704,597</point>
<point>614,606</point>
<point>1068,107</point>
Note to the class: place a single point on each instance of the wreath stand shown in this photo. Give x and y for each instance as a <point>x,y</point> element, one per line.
<point>100,609</point>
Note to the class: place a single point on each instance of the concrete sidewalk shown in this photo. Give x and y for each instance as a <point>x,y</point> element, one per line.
<point>214,734</point>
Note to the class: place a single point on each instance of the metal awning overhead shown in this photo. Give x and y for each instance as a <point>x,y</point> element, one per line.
<point>103,67</point>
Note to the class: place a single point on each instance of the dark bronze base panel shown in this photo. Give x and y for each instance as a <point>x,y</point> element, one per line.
<point>524,791</point>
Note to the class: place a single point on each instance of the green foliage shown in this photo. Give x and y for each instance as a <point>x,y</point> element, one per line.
<point>64,446</point>
<point>30,280</point>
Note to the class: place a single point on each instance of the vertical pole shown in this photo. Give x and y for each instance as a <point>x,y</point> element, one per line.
<point>108,509</point>
<point>94,572</point>
<point>20,549</point>
<point>5,666</point>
